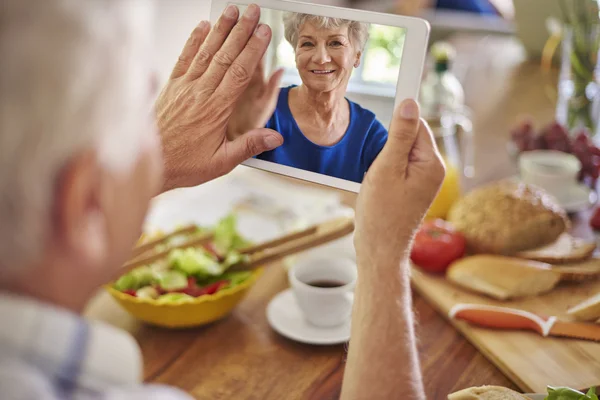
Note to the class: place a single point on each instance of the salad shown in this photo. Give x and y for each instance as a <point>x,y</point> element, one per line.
<point>190,272</point>
<point>565,393</point>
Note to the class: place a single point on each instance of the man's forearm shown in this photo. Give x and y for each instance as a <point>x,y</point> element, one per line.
<point>382,360</point>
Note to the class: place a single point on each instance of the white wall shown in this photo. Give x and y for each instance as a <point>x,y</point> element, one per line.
<point>175,20</point>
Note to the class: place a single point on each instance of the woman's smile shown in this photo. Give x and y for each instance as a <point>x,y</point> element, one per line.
<point>323,72</point>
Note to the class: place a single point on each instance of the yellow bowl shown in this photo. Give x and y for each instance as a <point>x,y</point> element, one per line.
<point>185,313</point>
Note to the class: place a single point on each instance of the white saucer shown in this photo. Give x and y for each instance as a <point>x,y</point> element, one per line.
<point>286,318</point>
<point>575,198</point>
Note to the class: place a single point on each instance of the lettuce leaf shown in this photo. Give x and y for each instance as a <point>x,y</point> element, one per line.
<point>170,297</point>
<point>195,261</point>
<point>233,258</point>
<point>227,237</point>
<point>236,278</point>
<point>136,278</point>
<point>173,280</point>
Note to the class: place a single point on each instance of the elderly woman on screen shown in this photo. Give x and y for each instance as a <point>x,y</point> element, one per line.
<point>323,131</point>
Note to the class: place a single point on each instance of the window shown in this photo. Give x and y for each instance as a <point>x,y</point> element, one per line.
<point>378,72</point>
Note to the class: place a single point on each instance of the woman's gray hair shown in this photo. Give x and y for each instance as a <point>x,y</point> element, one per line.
<point>292,22</point>
<point>75,77</point>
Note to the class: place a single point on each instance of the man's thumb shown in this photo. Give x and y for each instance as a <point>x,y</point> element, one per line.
<point>251,144</point>
<point>405,126</point>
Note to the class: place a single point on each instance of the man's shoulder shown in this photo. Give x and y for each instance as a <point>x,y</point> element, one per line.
<point>22,381</point>
<point>19,380</point>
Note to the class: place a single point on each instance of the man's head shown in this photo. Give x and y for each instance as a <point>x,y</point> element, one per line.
<point>79,151</point>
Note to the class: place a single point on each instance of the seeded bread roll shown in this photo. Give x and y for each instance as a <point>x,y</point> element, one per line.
<point>507,217</point>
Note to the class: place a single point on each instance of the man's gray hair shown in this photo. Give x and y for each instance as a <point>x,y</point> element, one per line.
<point>292,22</point>
<point>74,77</point>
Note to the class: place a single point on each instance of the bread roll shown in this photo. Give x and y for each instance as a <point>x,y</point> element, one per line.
<point>487,393</point>
<point>507,217</point>
<point>501,277</point>
<point>585,271</point>
<point>565,249</point>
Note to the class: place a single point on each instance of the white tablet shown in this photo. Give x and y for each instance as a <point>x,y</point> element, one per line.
<point>344,72</point>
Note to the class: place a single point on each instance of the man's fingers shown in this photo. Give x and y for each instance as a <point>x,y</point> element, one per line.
<point>425,139</point>
<point>404,128</point>
<point>213,42</point>
<point>190,49</point>
<point>273,84</point>
<point>246,146</point>
<point>395,156</point>
<point>259,73</point>
<point>241,71</point>
<point>225,57</point>
<point>425,148</point>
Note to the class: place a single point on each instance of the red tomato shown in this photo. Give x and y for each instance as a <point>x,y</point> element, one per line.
<point>437,244</point>
<point>595,220</point>
<point>196,291</point>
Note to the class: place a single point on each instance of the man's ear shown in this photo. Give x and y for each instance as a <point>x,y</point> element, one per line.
<point>79,221</point>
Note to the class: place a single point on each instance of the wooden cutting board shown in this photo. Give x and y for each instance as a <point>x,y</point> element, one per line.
<point>528,359</point>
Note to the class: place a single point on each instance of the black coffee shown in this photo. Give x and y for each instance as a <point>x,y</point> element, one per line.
<point>326,284</point>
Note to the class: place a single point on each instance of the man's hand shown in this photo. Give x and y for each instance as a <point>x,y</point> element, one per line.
<point>256,105</point>
<point>397,191</point>
<point>399,188</point>
<point>194,109</point>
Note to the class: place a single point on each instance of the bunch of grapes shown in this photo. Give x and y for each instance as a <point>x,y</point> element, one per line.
<point>556,137</point>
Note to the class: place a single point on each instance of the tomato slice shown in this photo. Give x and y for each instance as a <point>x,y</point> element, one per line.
<point>437,244</point>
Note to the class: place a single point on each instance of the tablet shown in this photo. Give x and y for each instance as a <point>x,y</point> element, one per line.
<point>344,72</point>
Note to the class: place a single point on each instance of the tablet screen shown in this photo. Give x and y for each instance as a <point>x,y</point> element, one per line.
<point>336,94</point>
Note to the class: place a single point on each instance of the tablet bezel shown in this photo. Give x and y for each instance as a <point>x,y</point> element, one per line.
<point>409,75</point>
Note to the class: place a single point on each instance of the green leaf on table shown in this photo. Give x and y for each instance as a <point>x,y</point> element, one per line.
<point>565,393</point>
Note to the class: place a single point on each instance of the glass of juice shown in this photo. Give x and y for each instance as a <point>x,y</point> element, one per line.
<point>454,137</point>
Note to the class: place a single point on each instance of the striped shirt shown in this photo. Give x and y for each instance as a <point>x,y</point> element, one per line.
<point>48,353</point>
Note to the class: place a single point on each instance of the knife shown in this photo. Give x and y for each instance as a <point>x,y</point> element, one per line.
<point>515,319</point>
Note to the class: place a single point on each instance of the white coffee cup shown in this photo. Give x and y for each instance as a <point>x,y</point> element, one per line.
<point>553,171</point>
<point>324,306</point>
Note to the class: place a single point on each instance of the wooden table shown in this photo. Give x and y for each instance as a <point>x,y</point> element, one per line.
<point>242,358</point>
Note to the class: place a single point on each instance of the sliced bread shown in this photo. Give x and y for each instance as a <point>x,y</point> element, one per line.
<point>487,393</point>
<point>502,277</point>
<point>566,249</point>
<point>579,272</point>
<point>588,310</point>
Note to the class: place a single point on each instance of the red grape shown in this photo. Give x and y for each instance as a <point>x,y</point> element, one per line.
<point>554,136</point>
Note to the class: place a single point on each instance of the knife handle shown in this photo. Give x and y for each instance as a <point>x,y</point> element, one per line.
<point>502,318</point>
